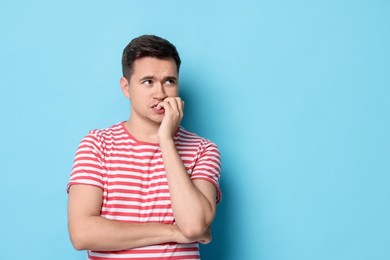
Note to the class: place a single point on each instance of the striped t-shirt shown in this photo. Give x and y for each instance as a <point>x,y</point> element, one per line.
<point>135,188</point>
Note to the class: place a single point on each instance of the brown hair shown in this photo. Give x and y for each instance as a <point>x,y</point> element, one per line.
<point>147,46</point>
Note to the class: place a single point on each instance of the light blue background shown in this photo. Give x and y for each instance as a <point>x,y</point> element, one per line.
<point>295,93</point>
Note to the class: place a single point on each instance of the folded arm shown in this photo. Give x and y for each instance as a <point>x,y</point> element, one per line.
<point>88,230</point>
<point>193,201</point>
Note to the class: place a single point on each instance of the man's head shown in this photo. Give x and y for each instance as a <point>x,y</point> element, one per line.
<point>147,46</point>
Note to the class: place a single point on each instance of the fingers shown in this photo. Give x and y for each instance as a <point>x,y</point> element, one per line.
<point>204,242</point>
<point>173,114</point>
<point>181,107</point>
<point>172,104</point>
<point>206,238</point>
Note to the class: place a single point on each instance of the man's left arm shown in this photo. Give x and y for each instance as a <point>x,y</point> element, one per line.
<point>193,201</point>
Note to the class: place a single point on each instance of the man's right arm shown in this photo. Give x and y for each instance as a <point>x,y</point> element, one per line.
<point>88,230</point>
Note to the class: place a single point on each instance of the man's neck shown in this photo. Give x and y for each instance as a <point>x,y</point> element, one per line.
<point>143,131</point>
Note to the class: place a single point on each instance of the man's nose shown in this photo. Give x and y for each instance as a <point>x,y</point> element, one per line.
<point>159,91</point>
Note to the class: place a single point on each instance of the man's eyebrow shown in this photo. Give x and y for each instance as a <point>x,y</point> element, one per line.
<point>151,77</point>
<point>147,77</point>
<point>170,78</point>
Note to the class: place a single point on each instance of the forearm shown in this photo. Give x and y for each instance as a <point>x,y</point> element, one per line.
<point>193,202</point>
<point>88,230</point>
<point>100,234</point>
<point>192,210</point>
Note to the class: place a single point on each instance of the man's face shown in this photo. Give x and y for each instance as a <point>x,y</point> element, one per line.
<point>152,81</point>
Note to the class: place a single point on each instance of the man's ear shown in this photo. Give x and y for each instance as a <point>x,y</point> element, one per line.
<point>125,86</point>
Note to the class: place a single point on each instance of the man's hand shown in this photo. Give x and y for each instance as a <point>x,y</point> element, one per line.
<point>174,108</point>
<point>206,238</point>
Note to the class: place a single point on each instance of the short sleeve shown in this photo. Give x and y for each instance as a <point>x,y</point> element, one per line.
<point>87,167</point>
<point>208,166</point>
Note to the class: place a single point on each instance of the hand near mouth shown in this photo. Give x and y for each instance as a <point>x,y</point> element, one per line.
<point>173,108</point>
<point>159,106</point>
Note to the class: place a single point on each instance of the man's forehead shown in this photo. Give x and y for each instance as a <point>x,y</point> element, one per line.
<point>150,66</point>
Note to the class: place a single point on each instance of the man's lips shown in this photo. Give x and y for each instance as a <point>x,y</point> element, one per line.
<point>158,109</point>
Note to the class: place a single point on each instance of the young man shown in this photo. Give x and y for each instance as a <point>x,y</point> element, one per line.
<point>145,188</point>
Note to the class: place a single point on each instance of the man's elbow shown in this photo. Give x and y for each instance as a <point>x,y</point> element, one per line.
<point>195,231</point>
<point>78,239</point>
<point>78,246</point>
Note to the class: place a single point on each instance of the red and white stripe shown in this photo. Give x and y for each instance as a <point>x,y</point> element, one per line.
<point>135,188</point>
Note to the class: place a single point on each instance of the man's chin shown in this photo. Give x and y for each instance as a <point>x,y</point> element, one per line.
<point>157,120</point>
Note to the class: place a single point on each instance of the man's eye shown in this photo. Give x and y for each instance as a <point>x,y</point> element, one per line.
<point>147,82</point>
<point>170,82</point>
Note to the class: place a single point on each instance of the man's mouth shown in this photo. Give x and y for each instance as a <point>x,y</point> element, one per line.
<point>158,109</point>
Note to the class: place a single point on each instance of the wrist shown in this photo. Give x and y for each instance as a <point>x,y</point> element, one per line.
<point>175,232</point>
<point>166,142</point>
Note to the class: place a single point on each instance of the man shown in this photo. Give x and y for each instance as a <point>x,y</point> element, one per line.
<point>145,188</point>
